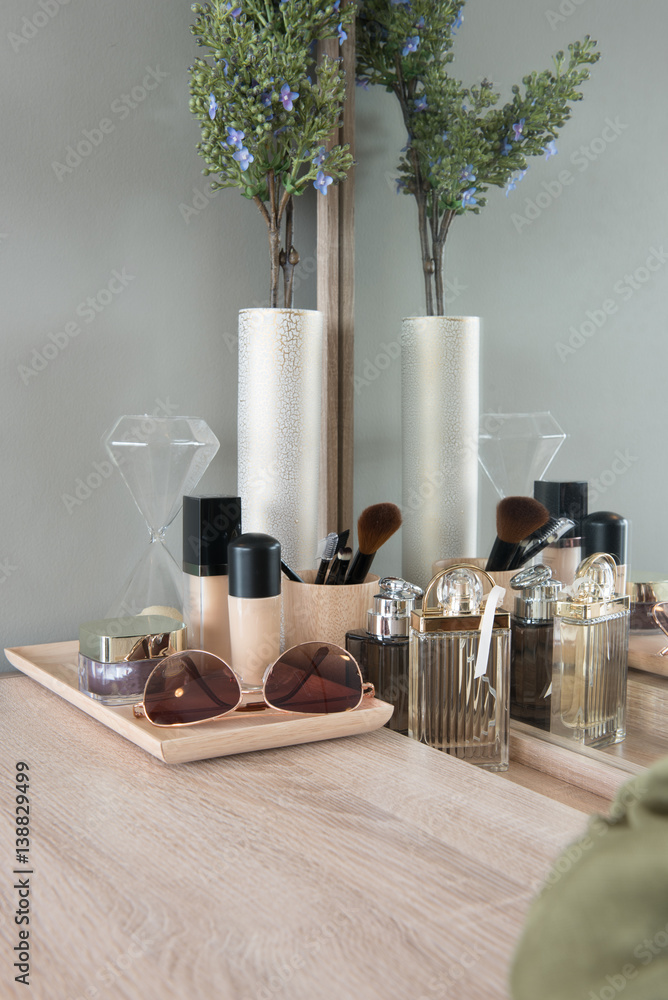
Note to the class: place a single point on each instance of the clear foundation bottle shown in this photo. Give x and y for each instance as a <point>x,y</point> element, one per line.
<point>591,636</point>
<point>532,640</point>
<point>459,669</point>
<point>382,648</point>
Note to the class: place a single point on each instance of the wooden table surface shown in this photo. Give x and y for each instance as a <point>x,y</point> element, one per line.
<point>366,867</point>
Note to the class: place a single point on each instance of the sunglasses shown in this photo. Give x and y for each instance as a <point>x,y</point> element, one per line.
<point>313,678</point>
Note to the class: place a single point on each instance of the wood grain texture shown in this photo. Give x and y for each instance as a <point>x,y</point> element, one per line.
<point>373,868</point>
<point>54,665</point>
<point>336,300</point>
<point>555,788</point>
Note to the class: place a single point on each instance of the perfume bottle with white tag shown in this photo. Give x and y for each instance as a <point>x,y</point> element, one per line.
<point>591,638</point>
<point>460,669</point>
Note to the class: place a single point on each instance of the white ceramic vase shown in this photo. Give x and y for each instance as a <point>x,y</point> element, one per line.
<point>279,405</point>
<point>440,362</point>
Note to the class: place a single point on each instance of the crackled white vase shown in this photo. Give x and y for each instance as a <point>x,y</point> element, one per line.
<point>440,363</point>
<point>279,405</point>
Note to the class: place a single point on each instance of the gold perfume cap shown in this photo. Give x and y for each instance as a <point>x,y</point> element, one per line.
<point>141,637</point>
<point>459,592</point>
<point>593,593</point>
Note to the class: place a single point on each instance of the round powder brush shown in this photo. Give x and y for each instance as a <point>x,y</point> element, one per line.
<point>375,525</point>
<point>516,518</point>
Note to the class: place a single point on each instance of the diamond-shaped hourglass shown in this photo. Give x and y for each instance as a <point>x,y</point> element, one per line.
<point>515,449</point>
<point>160,460</point>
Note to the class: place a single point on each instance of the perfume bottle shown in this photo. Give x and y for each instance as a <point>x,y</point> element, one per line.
<point>591,637</point>
<point>532,638</point>
<point>459,669</point>
<point>382,648</point>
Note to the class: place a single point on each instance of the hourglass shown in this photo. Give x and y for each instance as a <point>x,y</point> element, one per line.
<point>160,460</point>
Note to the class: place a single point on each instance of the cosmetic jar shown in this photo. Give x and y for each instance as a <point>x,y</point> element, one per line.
<point>116,655</point>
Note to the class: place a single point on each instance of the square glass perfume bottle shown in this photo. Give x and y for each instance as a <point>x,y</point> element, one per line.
<point>382,648</point>
<point>460,669</point>
<point>532,641</point>
<point>591,638</point>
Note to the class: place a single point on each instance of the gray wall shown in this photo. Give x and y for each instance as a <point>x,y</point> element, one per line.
<point>531,281</point>
<point>165,340</point>
<point>168,336</point>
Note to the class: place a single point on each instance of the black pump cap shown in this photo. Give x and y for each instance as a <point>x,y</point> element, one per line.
<point>606,532</point>
<point>255,566</point>
<point>564,500</point>
<point>210,523</point>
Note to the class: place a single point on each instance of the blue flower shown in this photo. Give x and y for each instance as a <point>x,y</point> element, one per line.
<point>518,129</point>
<point>468,198</point>
<point>337,4</point>
<point>213,106</point>
<point>420,23</point>
<point>507,147</point>
<point>234,11</point>
<point>362,81</point>
<point>265,99</point>
<point>288,96</point>
<point>401,184</point>
<point>458,23</point>
<point>514,181</point>
<point>551,149</point>
<point>243,158</point>
<point>322,182</point>
<point>411,45</point>
<point>467,173</point>
<point>342,34</point>
<point>420,103</point>
<point>234,137</point>
<point>319,157</point>
<point>400,3</point>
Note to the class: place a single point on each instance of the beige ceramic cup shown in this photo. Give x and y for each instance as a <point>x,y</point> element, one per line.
<point>320,613</point>
<point>502,577</point>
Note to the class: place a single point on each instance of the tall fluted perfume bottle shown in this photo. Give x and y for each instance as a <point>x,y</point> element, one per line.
<point>532,640</point>
<point>460,669</point>
<point>382,648</point>
<point>591,637</point>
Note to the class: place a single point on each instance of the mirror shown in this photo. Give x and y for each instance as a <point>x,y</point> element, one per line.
<point>568,273</point>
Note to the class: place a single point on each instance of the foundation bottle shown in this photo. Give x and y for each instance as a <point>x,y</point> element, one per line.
<point>568,499</point>
<point>210,523</point>
<point>254,606</point>
<point>459,669</point>
<point>591,637</point>
<point>532,639</point>
<point>382,648</point>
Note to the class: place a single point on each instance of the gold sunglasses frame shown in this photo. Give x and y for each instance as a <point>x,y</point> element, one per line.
<point>367,689</point>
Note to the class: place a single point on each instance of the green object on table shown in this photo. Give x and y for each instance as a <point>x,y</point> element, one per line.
<point>599,928</point>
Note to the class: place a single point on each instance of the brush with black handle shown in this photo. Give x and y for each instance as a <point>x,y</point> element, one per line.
<point>538,540</point>
<point>516,518</point>
<point>328,547</point>
<point>337,573</point>
<point>375,525</point>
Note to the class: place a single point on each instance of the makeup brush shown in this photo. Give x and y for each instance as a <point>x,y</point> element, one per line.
<point>337,573</point>
<point>516,517</point>
<point>343,540</point>
<point>375,525</point>
<point>550,533</point>
<point>290,573</point>
<point>327,548</point>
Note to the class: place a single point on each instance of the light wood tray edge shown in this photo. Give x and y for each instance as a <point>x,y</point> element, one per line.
<point>199,742</point>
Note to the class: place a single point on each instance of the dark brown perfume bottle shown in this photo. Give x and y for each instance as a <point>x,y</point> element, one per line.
<point>532,632</point>
<point>382,648</point>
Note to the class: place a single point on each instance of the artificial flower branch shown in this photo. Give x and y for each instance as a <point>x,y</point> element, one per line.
<point>265,121</point>
<point>458,142</point>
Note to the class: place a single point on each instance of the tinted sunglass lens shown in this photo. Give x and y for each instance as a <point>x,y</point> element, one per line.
<point>190,687</point>
<point>314,677</point>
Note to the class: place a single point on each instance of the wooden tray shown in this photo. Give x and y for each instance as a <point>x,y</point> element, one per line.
<point>644,652</point>
<point>55,665</point>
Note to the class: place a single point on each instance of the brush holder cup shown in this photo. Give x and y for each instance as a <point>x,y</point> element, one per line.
<point>502,578</point>
<point>323,613</point>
